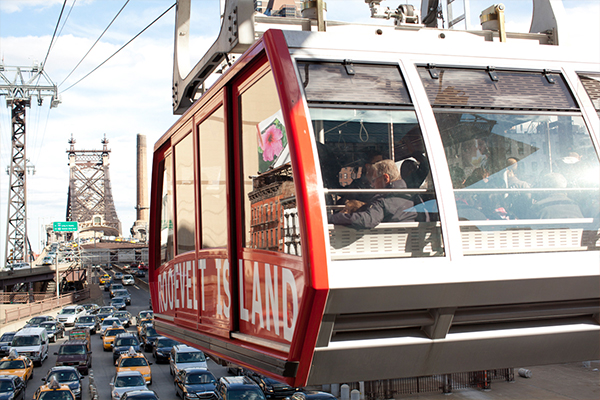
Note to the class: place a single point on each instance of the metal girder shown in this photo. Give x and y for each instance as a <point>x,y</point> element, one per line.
<point>90,194</point>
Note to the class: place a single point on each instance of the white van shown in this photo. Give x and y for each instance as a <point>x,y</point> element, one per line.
<point>33,343</point>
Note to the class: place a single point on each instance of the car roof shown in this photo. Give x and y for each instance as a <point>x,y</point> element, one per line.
<point>8,377</point>
<point>197,371</point>
<point>128,372</point>
<point>74,341</point>
<point>184,348</point>
<point>30,331</point>
<point>127,334</point>
<point>238,380</point>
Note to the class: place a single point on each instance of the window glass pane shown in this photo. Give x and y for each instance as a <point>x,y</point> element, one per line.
<point>213,178</point>
<point>591,83</point>
<point>267,171</point>
<point>522,182</point>
<point>508,89</point>
<point>380,197</point>
<point>166,214</point>
<point>184,193</point>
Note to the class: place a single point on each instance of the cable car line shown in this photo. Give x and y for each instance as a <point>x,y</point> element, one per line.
<point>97,40</point>
<point>54,34</point>
<point>122,47</point>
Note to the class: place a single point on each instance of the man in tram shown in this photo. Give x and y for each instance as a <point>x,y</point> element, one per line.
<point>383,207</point>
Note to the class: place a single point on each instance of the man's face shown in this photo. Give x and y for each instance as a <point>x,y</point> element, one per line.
<point>378,182</point>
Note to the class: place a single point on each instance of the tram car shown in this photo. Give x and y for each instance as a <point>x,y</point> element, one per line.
<point>383,202</point>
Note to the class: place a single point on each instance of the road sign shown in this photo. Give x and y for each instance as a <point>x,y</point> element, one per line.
<point>65,226</point>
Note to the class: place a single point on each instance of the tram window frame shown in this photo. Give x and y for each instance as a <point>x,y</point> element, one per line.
<point>209,204</point>
<point>168,253</point>
<point>184,217</point>
<point>269,181</point>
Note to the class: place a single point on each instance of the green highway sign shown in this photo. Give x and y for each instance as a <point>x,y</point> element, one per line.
<point>65,226</point>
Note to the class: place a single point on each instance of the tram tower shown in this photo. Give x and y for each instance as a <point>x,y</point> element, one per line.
<point>90,201</point>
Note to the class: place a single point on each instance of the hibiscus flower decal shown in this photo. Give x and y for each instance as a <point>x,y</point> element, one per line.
<point>271,142</point>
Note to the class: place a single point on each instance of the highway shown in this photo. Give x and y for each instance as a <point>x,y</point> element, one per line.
<point>102,366</point>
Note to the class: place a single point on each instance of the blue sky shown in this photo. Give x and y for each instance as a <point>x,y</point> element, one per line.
<point>131,93</point>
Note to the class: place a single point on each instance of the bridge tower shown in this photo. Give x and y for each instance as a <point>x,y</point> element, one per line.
<point>90,201</point>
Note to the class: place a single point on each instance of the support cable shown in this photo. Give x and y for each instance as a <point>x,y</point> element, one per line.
<point>97,40</point>
<point>53,35</point>
<point>122,47</point>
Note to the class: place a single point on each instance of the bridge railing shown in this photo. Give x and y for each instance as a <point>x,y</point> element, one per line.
<point>41,306</point>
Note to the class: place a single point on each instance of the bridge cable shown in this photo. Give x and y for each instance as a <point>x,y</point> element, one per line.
<point>122,47</point>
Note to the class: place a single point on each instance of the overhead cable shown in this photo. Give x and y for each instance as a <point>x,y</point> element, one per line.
<point>122,47</point>
<point>97,40</point>
<point>54,34</point>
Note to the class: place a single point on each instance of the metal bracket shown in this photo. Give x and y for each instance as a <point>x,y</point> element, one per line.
<point>549,77</point>
<point>349,67</point>
<point>433,72</point>
<point>492,73</point>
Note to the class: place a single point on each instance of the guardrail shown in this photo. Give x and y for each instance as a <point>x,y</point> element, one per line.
<point>93,388</point>
<point>24,297</point>
<point>38,307</point>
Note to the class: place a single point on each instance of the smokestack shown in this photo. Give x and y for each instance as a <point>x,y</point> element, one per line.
<point>142,179</point>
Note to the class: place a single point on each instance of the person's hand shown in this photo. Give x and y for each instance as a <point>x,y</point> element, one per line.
<point>352,206</point>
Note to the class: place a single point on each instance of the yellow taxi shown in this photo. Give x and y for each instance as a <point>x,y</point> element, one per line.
<point>53,390</point>
<point>109,336</point>
<point>104,278</point>
<point>132,361</point>
<point>14,364</point>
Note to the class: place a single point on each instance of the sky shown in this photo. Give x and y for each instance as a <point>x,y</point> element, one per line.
<point>131,92</point>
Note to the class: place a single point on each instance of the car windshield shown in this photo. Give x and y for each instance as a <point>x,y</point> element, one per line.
<point>63,376</point>
<point>129,381</point>
<point>36,320</point>
<point>12,364</point>
<point>126,342</point>
<point>6,386</point>
<point>26,341</point>
<point>134,362</point>
<point>143,315</point>
<point>68,311</point>
<point>85,319</point>
<point>72,349</point>
<point>151,331</point>
<point>190,357</point>
<point>195,379</point>
<point>120,315</point>
<point>245,394</point>
<point>110,321</point>
<point>106,310</point>
<point>56,395</point>
<point>48,325</point>
<point>114,332</point>
<point>167,343</point>
<point>7,337</point>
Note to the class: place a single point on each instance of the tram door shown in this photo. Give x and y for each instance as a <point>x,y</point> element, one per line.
<point>269,274</point>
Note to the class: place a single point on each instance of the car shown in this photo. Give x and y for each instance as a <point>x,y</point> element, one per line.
<point>89,322</point>
<point>91,309</point>
<point>161,348</point>
<point>5,341</point>
<point>123,293</point>
<point>147,336</point>
<point>55,330</point>
<point>48,260</point>
<point>105,312</point>
<point>195,383</point>
<point>118,302</point>
<point>69,376</point>
<point>12,387</point>
<point>125,317</point>
<point>76,353</point>
<point>126,267</point>
<point>140,395</point>
<point>108,266</point>
<point>128,280</point>
<point>33,343</point>
<point>114,287</point>
<point>183,356</point>
<point>108,284</point>
<point>133,361</point>
<point>144,315</point>
<point>109,336</point>
<point>143,267</point>
<point>118,276</point>
<point>126,381</point>
<point>69,314</point>
<point>238,387</point>
<point>140,273</point>
<point>122,344</point>
<point>53,390</point>
<point>104,278</point>
<point>15,364</point>
<point>272,388</point>
<point>306,394</point>
<point>109,322</point>
<point>37,321</point>
<point>145,322</point>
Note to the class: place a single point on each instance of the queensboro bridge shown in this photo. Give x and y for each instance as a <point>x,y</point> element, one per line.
<point>90,200</point>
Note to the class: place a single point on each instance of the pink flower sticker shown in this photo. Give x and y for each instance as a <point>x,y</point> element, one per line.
<point>272,144</point>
